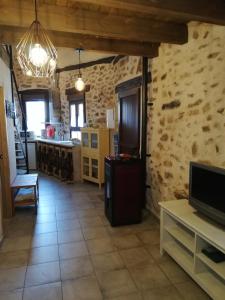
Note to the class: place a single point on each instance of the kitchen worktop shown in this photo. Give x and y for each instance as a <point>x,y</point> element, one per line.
<point>67,144</point>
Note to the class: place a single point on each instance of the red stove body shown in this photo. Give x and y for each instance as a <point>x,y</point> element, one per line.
<point>124,190</point>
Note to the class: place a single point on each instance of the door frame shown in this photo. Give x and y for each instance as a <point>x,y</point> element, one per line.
<point>4,162</point>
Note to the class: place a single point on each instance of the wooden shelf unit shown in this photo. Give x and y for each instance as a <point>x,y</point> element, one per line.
<point>183,235</point>
<point>94,148</point>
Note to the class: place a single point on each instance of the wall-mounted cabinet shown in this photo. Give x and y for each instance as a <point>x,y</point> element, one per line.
<point>95,146</point>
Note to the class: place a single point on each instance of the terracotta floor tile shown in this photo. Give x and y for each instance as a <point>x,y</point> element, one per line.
<point>116,283</point>
<point>42,274</point>
<point>43,254</point>
<point>81,289</point>
<point>12,244</point>
<point>95,233</point>
<point>15,295</point>
<point>100,246</point>
<point>45,218</point>
<point>12,279</point>
<point>66,216</point>
<point>149,276</point>
<point>45,228</point>
<point>167,293</point>
<point>190,290</point>
<point>133,296</point>
<point>72,250</point>
<point>107,262</point>
<point>136,257</point>
<point>86,213</point>
<point>44,239</point>
<point>76,267</point>
<point>68,225</point>
<point>69,236</point>
<point>126,242</point>
<point>173,271</point>
<point>154,250</point>
<point>149,237</point>
<point>90,222</point>
<point>13,259</point>
<point>71,240</point>
<point>52,291</point>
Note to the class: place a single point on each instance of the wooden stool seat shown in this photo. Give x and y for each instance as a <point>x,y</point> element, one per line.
<point>28,181</point>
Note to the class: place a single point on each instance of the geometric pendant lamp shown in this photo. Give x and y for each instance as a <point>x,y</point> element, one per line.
<point>35,52</point>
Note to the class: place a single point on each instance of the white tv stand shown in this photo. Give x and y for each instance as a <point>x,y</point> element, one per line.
<point>183,235</point>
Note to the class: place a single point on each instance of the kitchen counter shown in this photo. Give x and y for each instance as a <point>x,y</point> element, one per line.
<point>67,144</point>
<point>61,159</point>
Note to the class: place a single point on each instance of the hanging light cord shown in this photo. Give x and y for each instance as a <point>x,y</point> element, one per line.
<point>79,64</point>
<point>36,20</point>
<point>35,5</point>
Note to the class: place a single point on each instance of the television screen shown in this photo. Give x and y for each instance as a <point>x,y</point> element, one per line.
<point>207,190</point>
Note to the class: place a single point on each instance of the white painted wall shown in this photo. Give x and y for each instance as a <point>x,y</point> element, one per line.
<point>5,82</point>
<point>1,229</point>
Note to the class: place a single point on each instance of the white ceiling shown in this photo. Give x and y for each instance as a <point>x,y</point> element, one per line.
<point>69,56</point>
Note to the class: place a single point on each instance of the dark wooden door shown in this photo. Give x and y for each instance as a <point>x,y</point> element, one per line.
<point>129,122</point>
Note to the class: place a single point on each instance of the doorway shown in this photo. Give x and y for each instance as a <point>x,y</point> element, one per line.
<point>129,122</point>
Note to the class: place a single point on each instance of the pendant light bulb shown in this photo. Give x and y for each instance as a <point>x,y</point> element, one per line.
<point>38,56</point>
<point>29,73</point>
<point>79,84</point>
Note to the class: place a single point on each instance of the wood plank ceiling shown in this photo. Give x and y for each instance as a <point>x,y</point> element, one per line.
<point>129,27</point>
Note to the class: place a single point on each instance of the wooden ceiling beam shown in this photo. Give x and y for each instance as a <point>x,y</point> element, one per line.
<point>65,19</point>
<point>12,35</point>
<point>187,10</point>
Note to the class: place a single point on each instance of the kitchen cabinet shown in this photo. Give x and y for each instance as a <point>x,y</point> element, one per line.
<point>94,147</point>
<point>60,160</point>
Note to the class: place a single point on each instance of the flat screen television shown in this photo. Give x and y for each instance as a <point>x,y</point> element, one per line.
<point>207,191</point>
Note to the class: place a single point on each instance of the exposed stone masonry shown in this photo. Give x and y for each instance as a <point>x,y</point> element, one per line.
<point>102,80</point>
<point>186,122</point>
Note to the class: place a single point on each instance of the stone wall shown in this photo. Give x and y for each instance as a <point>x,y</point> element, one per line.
<point>127,68</point>
<point>28,83</point>
<point>98,99</point>
<point>102,79</point>
<point>187,120</point>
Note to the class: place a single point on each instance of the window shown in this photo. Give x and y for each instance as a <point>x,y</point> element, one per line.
<point>76,119</point>
<point>36,117</point>
<point>77,113</point>
<point>36,107</point>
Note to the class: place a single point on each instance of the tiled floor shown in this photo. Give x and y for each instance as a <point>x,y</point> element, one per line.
<point>69,251</point>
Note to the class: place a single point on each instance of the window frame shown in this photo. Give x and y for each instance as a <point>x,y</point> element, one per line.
<point>75,99</point>
<point>76,103</point>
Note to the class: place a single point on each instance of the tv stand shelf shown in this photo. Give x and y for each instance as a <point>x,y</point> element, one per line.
<point>183,235</point>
